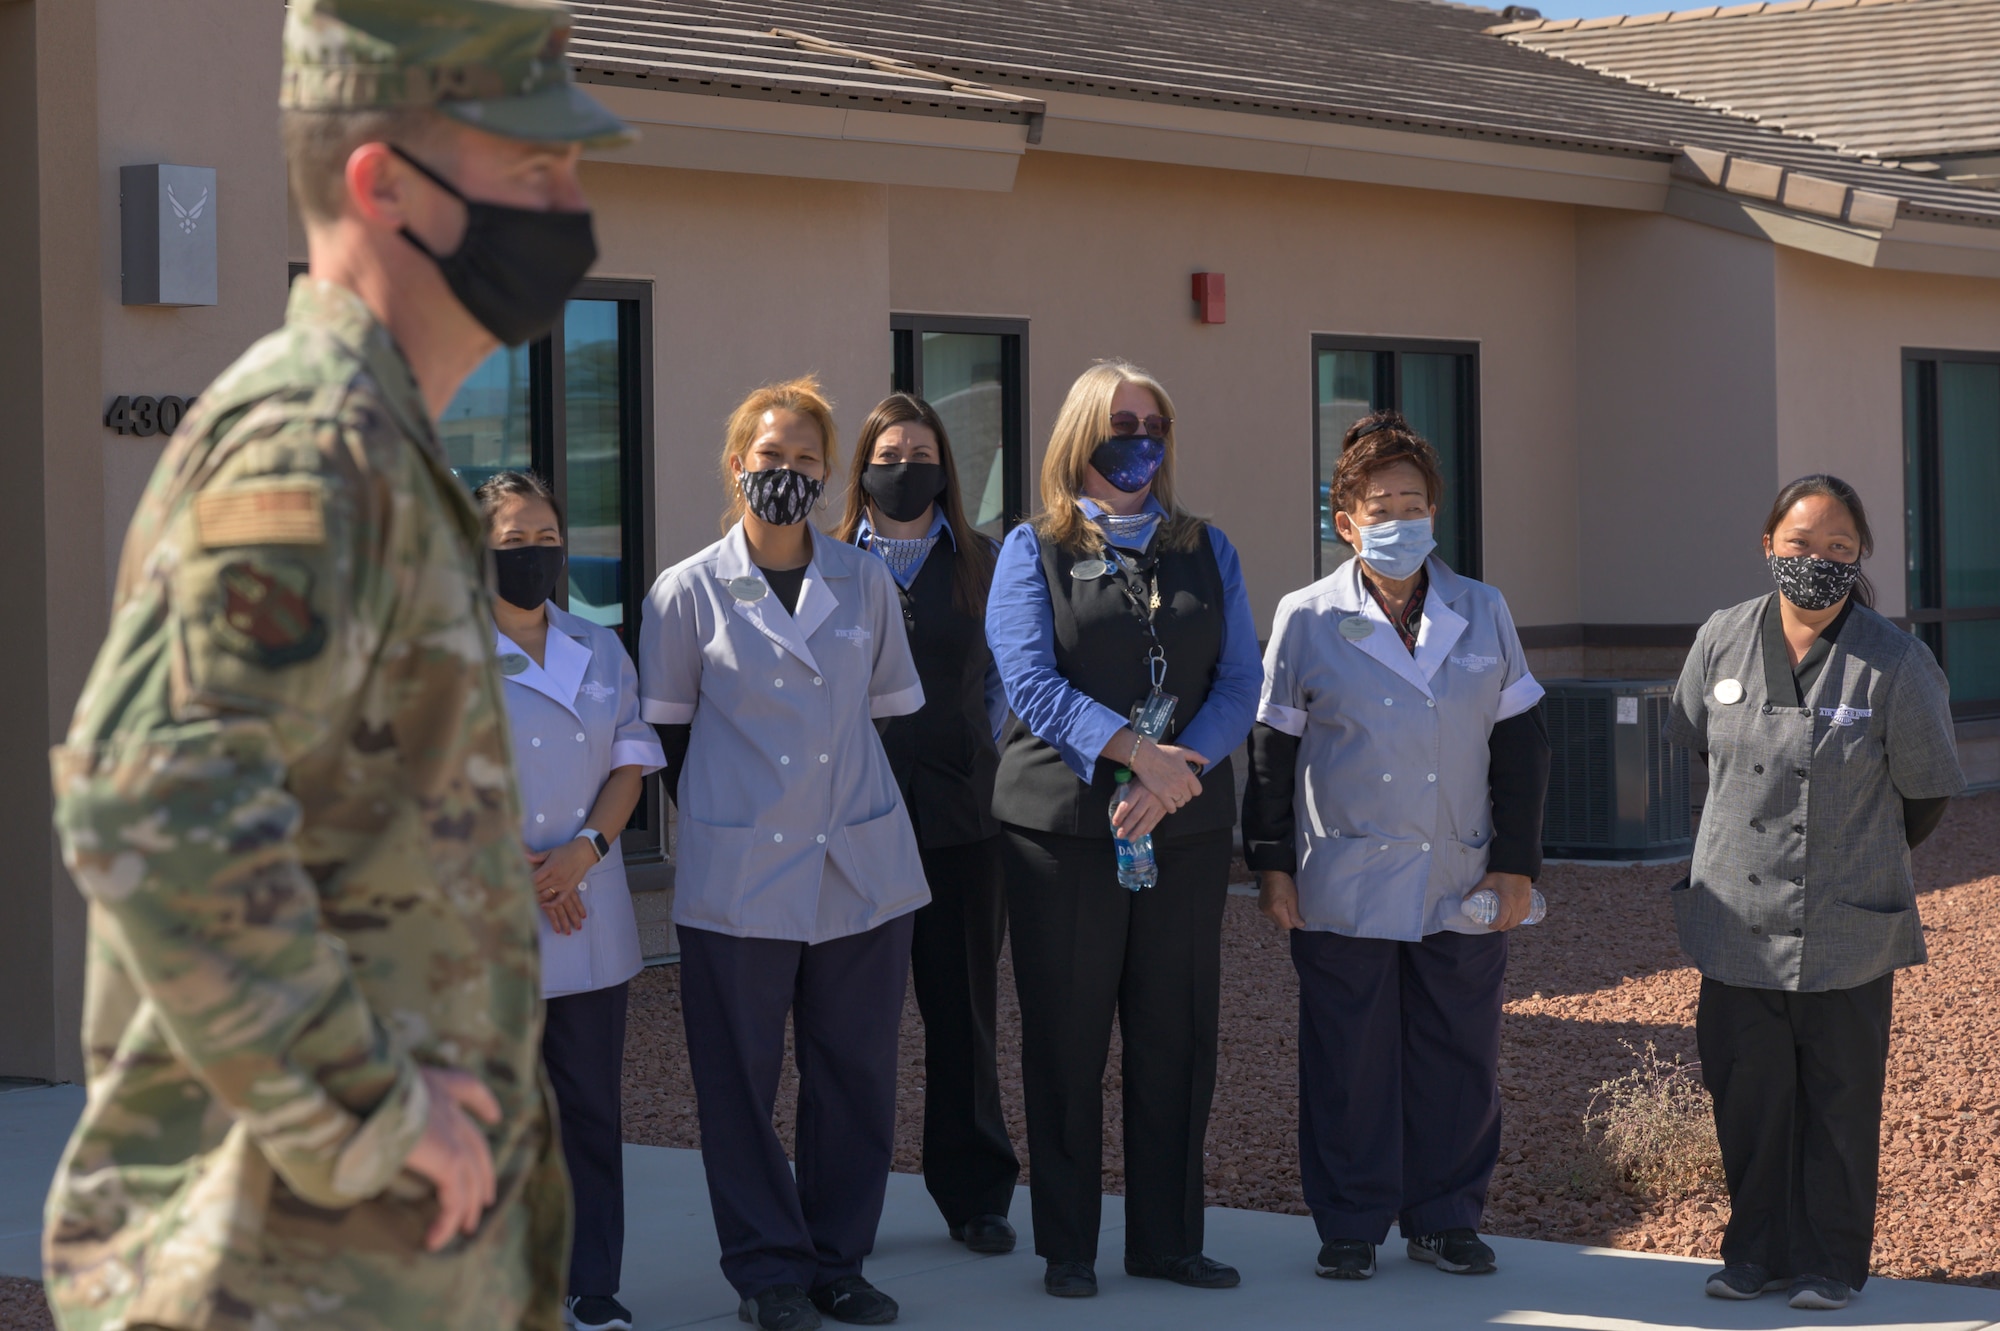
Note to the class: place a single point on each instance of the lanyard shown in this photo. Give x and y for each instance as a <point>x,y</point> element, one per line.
<point>1143,607</point>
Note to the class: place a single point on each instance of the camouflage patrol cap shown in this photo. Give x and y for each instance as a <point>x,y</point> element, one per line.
<point>497,65</point>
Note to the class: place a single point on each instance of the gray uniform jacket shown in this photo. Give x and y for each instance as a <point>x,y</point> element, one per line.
<point>574,718</point>
<point>1395,813</point>
<point>791,823</point>
<point>1801,876</point>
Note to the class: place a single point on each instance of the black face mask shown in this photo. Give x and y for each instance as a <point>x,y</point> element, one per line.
<point>515,268</point>
<point>779,495</point>
<point>527,574</point>
<point>904,491</point>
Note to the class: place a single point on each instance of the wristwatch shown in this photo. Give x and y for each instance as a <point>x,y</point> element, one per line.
<point>596,840</point>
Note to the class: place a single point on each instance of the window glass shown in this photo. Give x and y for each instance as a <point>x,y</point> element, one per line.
<point>1346,394</point>
<point>486,427</point>
<point>1434,385</point>
<point>1431,402</point>
<point>593,395</point>
<point>1952,422</point>
<point>962,379</point>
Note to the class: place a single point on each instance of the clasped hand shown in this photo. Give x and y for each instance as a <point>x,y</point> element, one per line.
<point>558,883</point>
<point>1162,783</point>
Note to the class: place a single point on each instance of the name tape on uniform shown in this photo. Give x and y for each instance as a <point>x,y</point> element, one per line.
<point>269,515</point>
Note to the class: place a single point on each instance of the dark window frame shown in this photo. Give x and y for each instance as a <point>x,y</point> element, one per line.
<point>1925,610</point>
<point>907,376</point>
<point>1389,388</point>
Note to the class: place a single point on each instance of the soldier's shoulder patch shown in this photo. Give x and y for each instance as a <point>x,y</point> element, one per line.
<point>289,513</point>
<point>267,615</point>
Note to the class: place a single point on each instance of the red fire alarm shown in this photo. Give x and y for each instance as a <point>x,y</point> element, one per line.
<point>1211,298</point>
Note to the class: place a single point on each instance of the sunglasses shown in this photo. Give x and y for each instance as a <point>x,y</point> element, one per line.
<point>1125,422</point>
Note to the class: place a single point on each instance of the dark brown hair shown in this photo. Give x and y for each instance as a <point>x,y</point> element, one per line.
<point>505,485</point>
<point>972,569</point>
<point>1820,484</point>
<point>1377,441</point>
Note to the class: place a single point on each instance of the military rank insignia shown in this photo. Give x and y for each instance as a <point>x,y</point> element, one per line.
<point>267,615</point>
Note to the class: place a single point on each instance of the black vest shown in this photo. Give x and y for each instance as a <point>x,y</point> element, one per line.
<point>943,754</point>
<point>1101,649</point>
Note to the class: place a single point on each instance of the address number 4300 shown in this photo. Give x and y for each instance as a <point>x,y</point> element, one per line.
<point>146,415</point>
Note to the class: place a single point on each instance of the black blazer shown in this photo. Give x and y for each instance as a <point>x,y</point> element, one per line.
<point>943,755</point>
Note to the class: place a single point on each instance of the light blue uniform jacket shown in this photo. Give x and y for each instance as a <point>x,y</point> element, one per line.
<point>791,823</point>
<point>574,718</point>
<point>1393,808</point>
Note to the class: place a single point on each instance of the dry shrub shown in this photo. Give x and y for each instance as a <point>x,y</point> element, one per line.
<point>1655,1127</point>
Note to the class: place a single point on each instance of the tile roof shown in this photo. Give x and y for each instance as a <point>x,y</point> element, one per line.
<point>680,49</point>
<point>1891,79</point>
<point>1393,64</point>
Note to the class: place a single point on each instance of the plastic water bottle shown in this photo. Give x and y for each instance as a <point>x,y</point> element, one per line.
<point>1136,868</point>
<point>1483,906</point>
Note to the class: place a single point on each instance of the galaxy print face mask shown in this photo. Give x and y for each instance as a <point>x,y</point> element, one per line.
<point>1811,582</point>
<point>780,496</point>
<point>1129,461</point>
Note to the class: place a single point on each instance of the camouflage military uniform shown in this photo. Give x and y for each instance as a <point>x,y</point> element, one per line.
<point>288,797</point>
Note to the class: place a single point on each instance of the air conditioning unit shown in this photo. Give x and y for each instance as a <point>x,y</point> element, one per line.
<point>1618,790</point>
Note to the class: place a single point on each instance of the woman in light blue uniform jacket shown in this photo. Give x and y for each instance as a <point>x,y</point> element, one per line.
<point>581,752</point>
<point>1399,764</point>
<point>767,658</point>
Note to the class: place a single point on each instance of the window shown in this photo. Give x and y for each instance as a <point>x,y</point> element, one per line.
<point>575,407</point>
<point>1435,385</point>
<point>1951,427</point>
<point>974,371</point>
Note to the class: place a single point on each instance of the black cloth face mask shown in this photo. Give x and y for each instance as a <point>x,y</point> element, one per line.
<point>904,491</point>
<point>1811,582</point>
<point>779,495</point>
<point>527,574</point>
<point>516,267</point>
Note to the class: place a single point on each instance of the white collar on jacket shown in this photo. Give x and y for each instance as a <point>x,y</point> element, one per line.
<point>817,600</point>
<point>565,658</point>
<point>1440,631</point>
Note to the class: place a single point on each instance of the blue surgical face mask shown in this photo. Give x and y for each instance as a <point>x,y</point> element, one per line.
<point>1398,548</point>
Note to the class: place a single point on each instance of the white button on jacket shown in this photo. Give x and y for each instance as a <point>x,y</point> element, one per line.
<point>768,847</point>
<point>586,679</point>
<point>1379,857</point>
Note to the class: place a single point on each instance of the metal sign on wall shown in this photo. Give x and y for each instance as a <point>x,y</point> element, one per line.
<point>167,226</point>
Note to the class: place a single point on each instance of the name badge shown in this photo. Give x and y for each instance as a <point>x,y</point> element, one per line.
<point>747,590</point>
<point>1152,717</point>
<point>1846,716</point>
<point>513,663</point>
<point>1728,691</point>
<point>1089,570</point>
<point>1356,627</point>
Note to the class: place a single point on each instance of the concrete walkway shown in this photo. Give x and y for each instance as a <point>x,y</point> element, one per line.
<point>671,1278</point>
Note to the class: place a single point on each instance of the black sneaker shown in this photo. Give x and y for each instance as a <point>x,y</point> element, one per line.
<point>1819,1293</point>
<point>853,1300</point>
<point>1345,1259</point>
<point>1071,1280</point>
<point>596,1312</point>
<point>1196,1272</point>
<point>1458,1251</point>
<point>1741,1280</point>
<point>779,1308</point>
<point>988,1234</point>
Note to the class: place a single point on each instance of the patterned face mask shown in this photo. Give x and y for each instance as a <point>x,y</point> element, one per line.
<point>780,496</point>
<point>1812,583</point>
<point>1129,461</point>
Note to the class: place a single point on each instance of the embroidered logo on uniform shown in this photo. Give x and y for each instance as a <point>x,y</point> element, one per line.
<point>1475,665</point>
<point>598,692</point>
<point>267,613</point>
<point>1846,716</point>
<point>856,635</point>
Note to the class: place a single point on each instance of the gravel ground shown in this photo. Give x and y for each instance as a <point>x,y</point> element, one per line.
<point>1600,974</point>
<point>22,1307</point>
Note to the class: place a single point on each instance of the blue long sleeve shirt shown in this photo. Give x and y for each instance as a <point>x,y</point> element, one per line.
<point>1021,629</point>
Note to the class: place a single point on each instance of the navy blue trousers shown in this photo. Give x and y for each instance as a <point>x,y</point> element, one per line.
<point>845,999</point>
<point>583,1047</point>
<point>1399,1096</point>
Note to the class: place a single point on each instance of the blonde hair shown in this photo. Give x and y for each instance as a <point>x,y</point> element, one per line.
<point>318,144</point>
<point>1083,423</point>
<point>801,396</point>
